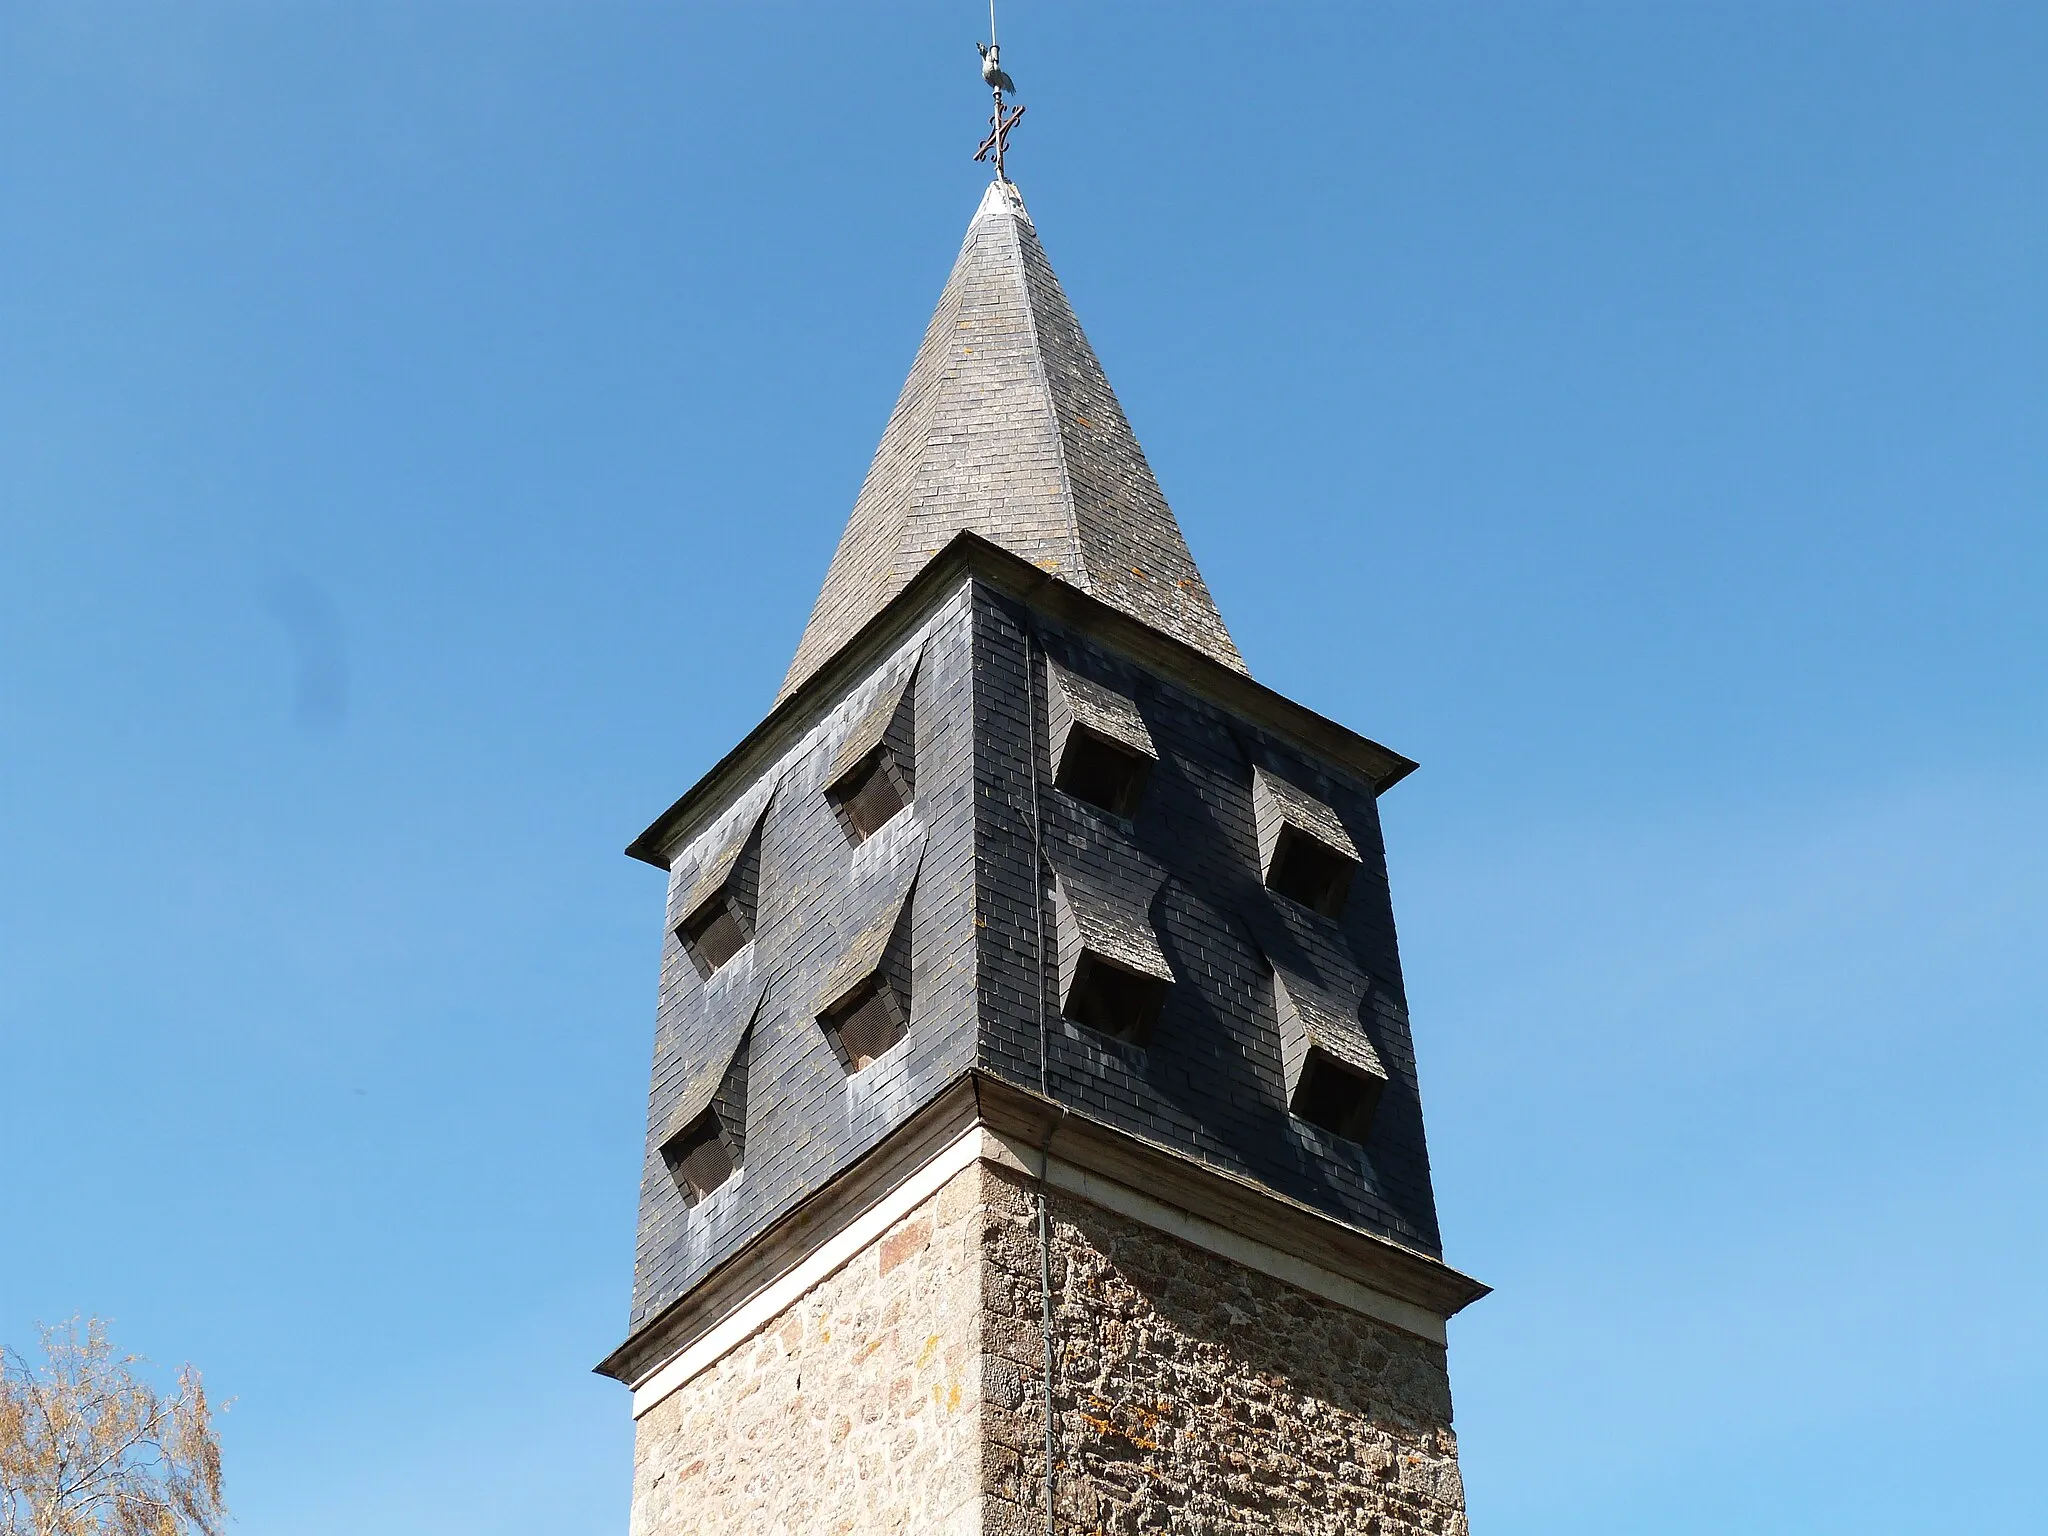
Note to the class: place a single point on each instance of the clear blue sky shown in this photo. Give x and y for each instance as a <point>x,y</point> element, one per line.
<point>424,427</point>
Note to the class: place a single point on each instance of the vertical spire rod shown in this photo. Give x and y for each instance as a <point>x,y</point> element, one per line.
<point>1001,121</point>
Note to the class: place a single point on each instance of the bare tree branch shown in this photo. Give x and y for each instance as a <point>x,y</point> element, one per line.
<point>89,1448</point>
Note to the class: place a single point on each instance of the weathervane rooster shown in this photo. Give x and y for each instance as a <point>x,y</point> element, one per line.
<point>1000,85</point>
<point>992,74</point>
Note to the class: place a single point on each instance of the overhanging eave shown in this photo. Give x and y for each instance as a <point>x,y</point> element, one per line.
<point>968,556</point>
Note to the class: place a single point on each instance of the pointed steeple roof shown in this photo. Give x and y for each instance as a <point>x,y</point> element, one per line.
<point>1008,428</point>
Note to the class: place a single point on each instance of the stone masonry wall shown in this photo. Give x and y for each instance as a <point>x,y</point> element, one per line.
<point>855,1411</point>
<point>1199,1397</point>
<point>1194,1396</point>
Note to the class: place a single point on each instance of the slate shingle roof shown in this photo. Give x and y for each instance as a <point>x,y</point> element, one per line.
<point>1008,427</point>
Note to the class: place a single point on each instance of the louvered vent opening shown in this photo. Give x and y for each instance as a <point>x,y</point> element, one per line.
<point>867,1025</point>
<point>872,794</point>
<point>718,919</point>
<point>1114,1001</point>
<point>1336,1098</point>
<point>1102,772</point>
<point>1307,871</point>
<point>697,1157</point>
<point>714,935</point>
<point>875,776</point>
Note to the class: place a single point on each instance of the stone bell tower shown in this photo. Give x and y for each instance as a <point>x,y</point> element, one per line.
<point>1034,1141</point>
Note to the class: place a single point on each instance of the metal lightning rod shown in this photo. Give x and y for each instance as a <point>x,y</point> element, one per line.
<point>1002,120</point>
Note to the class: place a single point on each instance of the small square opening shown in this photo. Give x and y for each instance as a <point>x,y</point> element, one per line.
<point>697,1157</point>
<point>867,1025</point>
<point>869,796</point>
<point>1310,872</point>
<point>1334,1097</point>
<point>714,935</point>
<point>1114,1001</point>
<point>1102,772</point>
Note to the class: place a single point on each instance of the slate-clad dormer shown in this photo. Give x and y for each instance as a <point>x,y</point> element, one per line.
<point>1024,888</point>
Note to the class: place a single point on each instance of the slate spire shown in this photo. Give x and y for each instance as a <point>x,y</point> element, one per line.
<point>1007,427</point>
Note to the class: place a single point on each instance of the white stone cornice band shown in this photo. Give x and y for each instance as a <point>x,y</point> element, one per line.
<point>977,1144</point>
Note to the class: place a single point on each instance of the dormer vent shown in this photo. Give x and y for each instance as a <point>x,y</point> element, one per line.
<point>1304,852</point>
<point>1113,975</point>
<point>868,1024</point>
<point>1113,1000</point>
<point>710,1138</point>
<point>870,797</point>
<point>1101,751</point>
<point>714,935</point>
<point>719,911</point>
<point>698,1158</point>
<point>1334,1077</point>
<point>875,774</point>
<point>864,1006</point>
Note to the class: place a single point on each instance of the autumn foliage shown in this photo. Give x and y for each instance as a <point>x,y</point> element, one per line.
<point>89,1448</point>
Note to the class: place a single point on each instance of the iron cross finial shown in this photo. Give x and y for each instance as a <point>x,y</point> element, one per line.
<point>1000,84</point>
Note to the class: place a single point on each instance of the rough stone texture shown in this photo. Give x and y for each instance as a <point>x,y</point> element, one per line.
<point>1193,1395</point>
<point>857,1410</point>
<point>1007,426</point>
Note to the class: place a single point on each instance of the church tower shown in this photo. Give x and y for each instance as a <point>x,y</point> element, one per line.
<point>1034,1142</point>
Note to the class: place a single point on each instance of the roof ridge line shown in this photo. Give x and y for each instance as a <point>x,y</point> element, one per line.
<point>1014,201</point>
<point>1061,480</point>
